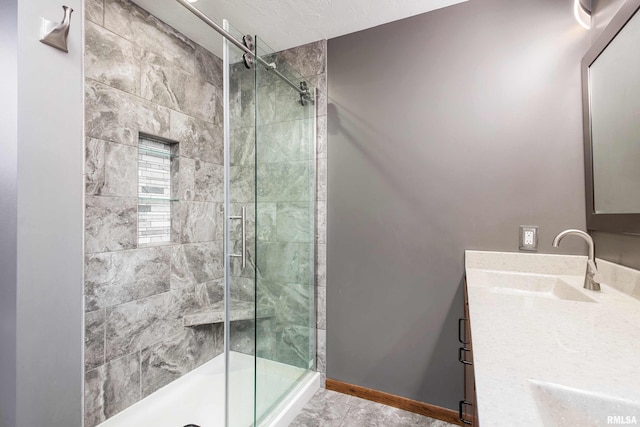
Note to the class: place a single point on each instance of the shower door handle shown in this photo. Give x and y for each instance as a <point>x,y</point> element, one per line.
<point>242,217</point>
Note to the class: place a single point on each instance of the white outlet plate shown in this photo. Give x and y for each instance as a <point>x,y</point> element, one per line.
<point>528,237</point>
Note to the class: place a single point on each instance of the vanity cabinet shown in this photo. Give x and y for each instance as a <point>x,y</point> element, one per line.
<point>468,412</point>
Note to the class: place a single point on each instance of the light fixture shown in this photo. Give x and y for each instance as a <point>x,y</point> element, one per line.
<point>582,14</point>
<point>192,1</point>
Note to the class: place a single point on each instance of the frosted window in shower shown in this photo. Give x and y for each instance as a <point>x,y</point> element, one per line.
<point>154,192</point>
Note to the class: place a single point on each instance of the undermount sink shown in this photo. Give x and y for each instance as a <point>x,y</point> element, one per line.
<point>562,406</point>
<point>536,285</point>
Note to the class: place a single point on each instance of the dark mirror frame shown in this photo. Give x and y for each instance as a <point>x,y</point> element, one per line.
<point>616,223</point>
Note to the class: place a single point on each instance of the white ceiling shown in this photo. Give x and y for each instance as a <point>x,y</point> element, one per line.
<point>283,24</point>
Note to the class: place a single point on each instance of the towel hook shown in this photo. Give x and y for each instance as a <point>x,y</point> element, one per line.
<point>55,34</point>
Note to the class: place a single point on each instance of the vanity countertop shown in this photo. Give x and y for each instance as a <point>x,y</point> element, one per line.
<point>585,342</point>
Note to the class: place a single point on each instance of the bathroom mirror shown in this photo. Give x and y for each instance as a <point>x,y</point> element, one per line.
<point>611,108</point>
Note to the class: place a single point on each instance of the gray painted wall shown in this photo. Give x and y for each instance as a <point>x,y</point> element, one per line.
<point>8,208</point>
<point>446,132</point>
<point>49,228</point>
<point>620,248</point>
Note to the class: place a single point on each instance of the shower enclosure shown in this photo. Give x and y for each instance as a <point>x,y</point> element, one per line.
<point>200,228</point>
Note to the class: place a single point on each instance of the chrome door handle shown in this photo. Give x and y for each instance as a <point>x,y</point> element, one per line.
<point>242,217</point>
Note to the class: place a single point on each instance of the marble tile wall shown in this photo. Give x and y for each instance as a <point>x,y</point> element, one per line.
<point>144,76</point>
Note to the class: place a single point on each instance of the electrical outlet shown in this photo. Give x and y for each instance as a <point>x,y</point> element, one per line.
<point>528,237</point>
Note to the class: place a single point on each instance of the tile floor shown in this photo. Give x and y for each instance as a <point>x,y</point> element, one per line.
<point>331,409</point>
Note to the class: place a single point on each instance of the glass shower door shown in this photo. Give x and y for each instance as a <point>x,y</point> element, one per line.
<point>269,234</point>
<point>240,271</point>
<point>285,232</point>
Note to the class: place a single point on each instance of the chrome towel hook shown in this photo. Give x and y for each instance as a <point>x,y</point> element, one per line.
<point>55,34</point>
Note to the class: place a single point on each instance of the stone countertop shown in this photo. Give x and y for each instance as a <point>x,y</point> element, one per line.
<point>519,337</point>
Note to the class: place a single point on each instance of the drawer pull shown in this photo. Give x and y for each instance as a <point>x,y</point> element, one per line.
<point>461,353</point>
<point>461,335</point>
<point>461,412</point>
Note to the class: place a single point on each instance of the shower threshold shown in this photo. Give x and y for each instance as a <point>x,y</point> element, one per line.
<point>198,397</point>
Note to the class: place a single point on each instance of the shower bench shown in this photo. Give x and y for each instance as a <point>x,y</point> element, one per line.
<point>239,310</point>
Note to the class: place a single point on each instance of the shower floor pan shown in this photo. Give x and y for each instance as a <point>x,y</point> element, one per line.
<point>198,397</point>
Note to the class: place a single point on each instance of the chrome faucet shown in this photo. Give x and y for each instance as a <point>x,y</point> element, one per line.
<point>589,278</point>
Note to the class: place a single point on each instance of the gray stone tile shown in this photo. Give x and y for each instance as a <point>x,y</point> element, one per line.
<point>267,225</point>
<point>365,414</point>
<point>94,166</point>
<point>295,222</point>
<point>308,60</point>
<point>288,105</point>
<point>110,224</point>
<point>198,139</point>
<point>284,182</point>
<point>94,339</point>
<point>266,101</point>
<point>242,336</point>
<point>291,303</point>
<point>114,278</point>
<point>321,184</point>
<point>165,362</point>
<point>267,343</point>
<point>138,26</point>
<point>292,347</point>
<point>242,184</point>
<point>176,222</point>
<point>186,181</point>
<point>209,67</point>
<point>321,351</point>
<point>286,141</point>
<point>321,307</point>
<point>201,222</point>
<point>94,397</point>
<point>321,265</point>
<point>319,81</point>
<point>121,384</point>
<point>324,396</point>
<point>121,170</point>
<point>94,11</point>
<point>200,181</point>
<point>242,288</point>
<point>111,388</point>
<point>326,408</point>
<point>242,109</point>
<point>285,262</point>
<point>209,182</point>
<point>321,222</point>
<point>141,323</point>
<point>321,136</point>
<point>242,146</point>
<point>113,115</point>
<point>215,290</point>
<point>111,60</point>
<point>180,90</point>
<point>242,78</point>
<point>321,103</point>
<point>196,263</point>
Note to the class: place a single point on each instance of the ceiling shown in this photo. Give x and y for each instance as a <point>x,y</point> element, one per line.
<point>283,24</point>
